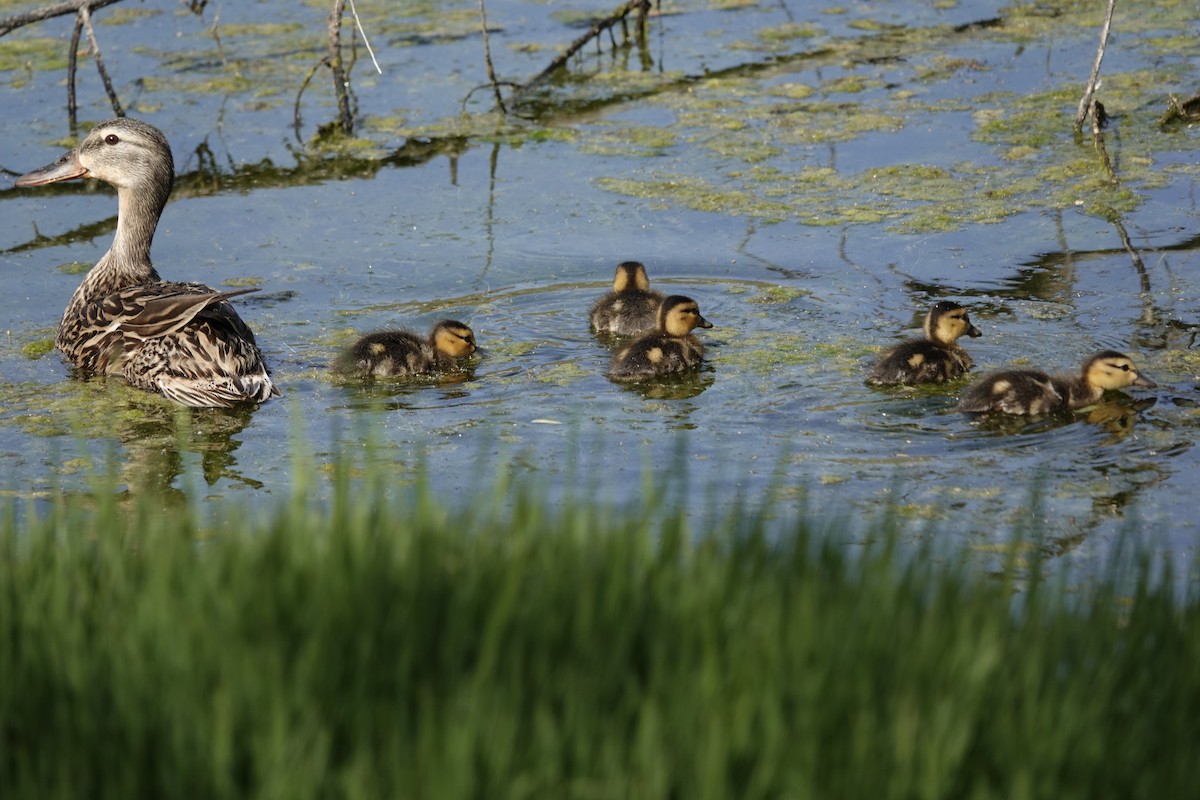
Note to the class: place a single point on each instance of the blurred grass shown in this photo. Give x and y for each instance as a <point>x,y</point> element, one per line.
<point>387,646</point>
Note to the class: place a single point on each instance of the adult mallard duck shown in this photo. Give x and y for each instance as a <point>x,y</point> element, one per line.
<point>671,348</point>
<point>181,339</point>
<point>631,307</point>
<point>401,352</point>
<point>936,358</point>
<point>1036,393</point>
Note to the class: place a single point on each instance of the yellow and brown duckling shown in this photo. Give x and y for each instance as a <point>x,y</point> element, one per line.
<point>671,348</point>
<point>631,308</point>
<point>1036,393</point>
<point>181,339</point>
<point>398,353</point>
<point>936,358</point>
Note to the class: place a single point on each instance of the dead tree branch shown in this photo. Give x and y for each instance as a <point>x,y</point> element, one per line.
<point>1085,104</point>
<point>598,27</point>
<point>487,55</point>
<point>82,9</point>
<point>341,82</point>
<point>49,12</point>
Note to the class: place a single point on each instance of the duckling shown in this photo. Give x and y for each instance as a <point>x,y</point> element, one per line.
<point>669,349</point>
<point>936,358</point>
<point>1034,393</point>
<point>631,307</point>
<point>401,352</point>
<point>183,340</point>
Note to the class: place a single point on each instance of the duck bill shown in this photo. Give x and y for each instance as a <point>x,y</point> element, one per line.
<point>703,323</point>
<point>65,169</point>
<point>974,332</point>
<point>1144,382</point>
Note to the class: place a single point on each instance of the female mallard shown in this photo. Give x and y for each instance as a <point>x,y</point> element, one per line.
<point>631,307</point>
<point>1034,393</point>
<point>181,339</point>
<point>936,358</point>
<point>401,352</point>
<point>669,349</point>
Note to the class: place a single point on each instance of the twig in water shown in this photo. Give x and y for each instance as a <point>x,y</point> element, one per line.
<point>598,27</point>
<point>86,15</point>
<point>1085,104</point>
<point>340,81</point>
<point>487,56</point>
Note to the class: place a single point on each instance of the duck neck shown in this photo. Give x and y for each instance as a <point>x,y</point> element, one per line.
<point>127,262</point>
<point>1081,393</point>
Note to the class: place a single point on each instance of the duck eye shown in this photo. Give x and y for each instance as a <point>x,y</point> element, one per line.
<point>112,138</point>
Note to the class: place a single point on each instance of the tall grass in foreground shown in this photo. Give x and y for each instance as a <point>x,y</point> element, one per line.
<point>377,648</point>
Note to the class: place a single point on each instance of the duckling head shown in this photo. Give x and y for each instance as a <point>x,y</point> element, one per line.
<point>1112,370</point>
<point>679,315</point>
<point>453,338</point>
<point>631,275</point>
<point>947,321</point>
<point>123,152</point>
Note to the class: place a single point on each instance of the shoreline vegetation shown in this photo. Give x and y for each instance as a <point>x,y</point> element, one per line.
<point>384,645</point>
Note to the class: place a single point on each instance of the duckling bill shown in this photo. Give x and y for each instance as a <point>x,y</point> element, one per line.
<point>1036,393</point>
<point>183,340</point>
<point>631,308</point>
<point>400,353</point>
<point>935,359</point>
<point>672,348</point>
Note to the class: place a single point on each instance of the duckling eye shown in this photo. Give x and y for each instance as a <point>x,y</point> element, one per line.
<point>112,138</point>
<point>1125,368</point>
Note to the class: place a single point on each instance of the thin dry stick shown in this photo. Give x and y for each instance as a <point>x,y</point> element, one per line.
<point>1085,103</point>
<point>86,15</point>
<point>335,66</point>
<point>72,63</point>
<point>363,34</point>
<point>487,56</point>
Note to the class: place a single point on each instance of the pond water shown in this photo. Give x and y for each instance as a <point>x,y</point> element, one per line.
<point>814,177</point>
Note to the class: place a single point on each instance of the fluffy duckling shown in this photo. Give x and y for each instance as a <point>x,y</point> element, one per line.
<point>936,358</point>
<point>671,348</point>
<point>402,353</point>
<point>631,308</point>
<point>1034,393</point>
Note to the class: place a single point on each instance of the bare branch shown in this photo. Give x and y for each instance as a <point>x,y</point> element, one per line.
<point>487,55</point>
<point>340,81</point>
<point>598,27</point>
<point>85,15</point>
<point>49,12</point>
<point>1085,103</point>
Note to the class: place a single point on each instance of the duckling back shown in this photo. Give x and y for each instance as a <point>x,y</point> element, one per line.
<point>631,307</point>
<point>1021,391</point>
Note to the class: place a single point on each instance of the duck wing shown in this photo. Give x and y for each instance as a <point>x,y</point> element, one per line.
<point>148,312</point>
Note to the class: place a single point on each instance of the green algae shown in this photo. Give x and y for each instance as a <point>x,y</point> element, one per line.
<point>36,349</point>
